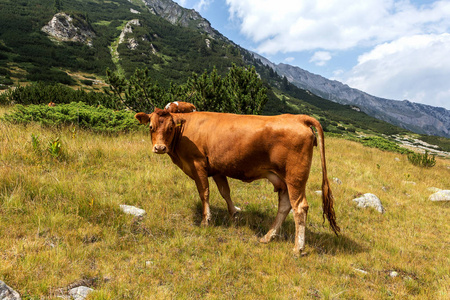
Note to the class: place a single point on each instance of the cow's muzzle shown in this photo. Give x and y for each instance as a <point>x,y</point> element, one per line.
<point>160,149</point>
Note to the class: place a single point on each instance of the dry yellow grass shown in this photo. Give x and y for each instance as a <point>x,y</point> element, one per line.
<point>60,223</point>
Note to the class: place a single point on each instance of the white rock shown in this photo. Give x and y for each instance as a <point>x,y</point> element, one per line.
<point>337,180</point>
<point>361,271</point>
<point>80,293</point>
<point>393,274</point>
<point>442,195</point>
<point>370,200</point>
<point>132,210</point>
<point>7,293</point>
<point>408,182</point>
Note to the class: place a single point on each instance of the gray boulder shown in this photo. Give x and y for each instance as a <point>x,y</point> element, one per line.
<point>132,210</point>
<point>80,292</point>
<point>442,195</point>
<point>7,293</point>
<point>370,200</point>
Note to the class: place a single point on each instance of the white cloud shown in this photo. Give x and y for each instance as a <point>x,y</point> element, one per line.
<point>182,2</point>
<point>289,59</point>
<point>416,68</point>
<point>198,5</point>
<point>293,25</point>
<point>407,44</point>
<point>320,58</point>
<point>202,4</point>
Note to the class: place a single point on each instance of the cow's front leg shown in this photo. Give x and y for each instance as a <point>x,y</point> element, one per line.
<point>201,180</point>
<point>224,189</point>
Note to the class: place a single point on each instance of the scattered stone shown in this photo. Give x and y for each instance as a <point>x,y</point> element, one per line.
<point>337,180</point>
<point>397,159</point>
<point>408,182</point>
<point>361,271</point>
<point>442,195</point>
<point>370,200</point>
<point>132,210</point>
<point>386,188</point>
<point>393,274</point>
<point>7,293</point>
<point>318,193</point>
<point>80,292</point>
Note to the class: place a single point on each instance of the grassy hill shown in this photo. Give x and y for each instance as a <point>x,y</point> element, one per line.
<point>61,226</point>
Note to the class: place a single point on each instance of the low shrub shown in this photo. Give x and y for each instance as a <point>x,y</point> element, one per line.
<point>422,160</point>
<point>98,119</point>
<point>383,144</point>
<point>44,93</point>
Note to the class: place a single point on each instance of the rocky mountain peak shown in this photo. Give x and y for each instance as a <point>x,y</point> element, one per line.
<point>416,117</point>
<point>178,15</point>
<point>66,28</point>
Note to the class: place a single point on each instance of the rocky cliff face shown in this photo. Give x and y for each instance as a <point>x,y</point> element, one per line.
<point>178,15</point>
<point>416,117</point>
<point>65,28</point>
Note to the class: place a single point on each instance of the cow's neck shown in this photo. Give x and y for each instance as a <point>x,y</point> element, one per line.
<point>176,138</point>
<point>173,153</point>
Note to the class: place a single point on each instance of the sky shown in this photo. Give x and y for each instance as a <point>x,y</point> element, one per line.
<point>395,49</point>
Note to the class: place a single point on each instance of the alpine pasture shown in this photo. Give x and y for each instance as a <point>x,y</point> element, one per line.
<point>61,224</point>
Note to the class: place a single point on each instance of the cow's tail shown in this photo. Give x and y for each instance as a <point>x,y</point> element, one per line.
<point>327,196</point>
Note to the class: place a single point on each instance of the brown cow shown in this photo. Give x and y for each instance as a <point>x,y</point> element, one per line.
<point>245,147</point>
<point>51,104</point>
<point>180,107</point>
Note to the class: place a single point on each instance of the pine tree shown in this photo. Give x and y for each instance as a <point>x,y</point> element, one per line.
<point>58,5</point>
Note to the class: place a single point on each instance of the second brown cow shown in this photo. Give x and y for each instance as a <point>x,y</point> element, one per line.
<point>180,107</point>
<point>245,147</point>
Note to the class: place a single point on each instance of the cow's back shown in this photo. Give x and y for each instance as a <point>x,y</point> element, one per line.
<point>246,147</point>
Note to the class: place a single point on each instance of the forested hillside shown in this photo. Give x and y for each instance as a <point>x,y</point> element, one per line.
<point>179,51</point>
<point>128,36</point>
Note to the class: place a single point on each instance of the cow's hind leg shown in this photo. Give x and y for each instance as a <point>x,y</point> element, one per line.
<point>224,189</point>
<point>284,207</point>
<point>300,208</point>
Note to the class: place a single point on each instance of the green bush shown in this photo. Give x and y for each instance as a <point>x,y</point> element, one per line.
<point>383,144</point>
<point>44,93</point>
<point>98,119</point>
<point>422,160</point>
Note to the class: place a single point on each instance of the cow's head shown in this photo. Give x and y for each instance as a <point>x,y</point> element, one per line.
<point>162,128</point>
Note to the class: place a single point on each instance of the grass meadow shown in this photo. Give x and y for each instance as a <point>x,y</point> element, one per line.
<point>61,225</point>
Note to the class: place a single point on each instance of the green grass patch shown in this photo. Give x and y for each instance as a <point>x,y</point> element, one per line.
<point>60,224</point>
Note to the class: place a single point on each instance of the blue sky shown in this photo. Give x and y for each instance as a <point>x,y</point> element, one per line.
<point>397,49</point>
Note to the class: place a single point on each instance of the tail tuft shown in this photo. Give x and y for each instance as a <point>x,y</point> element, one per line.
<point>327,206</point>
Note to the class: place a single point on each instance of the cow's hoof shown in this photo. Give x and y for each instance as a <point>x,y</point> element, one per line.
<point>236,215</point>
<point>300,252</point>
<point>264,240</point>
<point>204,223</point>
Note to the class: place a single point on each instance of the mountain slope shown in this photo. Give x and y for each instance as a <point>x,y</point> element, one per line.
<point>416,117</point>
<point>169,40</point>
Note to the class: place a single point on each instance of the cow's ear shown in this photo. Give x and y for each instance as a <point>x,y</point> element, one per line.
<point>143,118</point>
<point>180,122</point>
